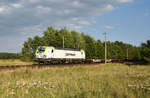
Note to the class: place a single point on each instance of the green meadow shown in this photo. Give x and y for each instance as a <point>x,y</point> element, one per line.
<point>10,62</point>
<point>102,81</point>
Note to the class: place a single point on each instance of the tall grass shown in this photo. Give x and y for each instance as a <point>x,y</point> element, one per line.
<point>8,62</point>
<point>104,81</point>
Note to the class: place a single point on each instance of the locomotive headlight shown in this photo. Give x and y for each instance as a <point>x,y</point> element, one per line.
<point>37,56</point>
<point>44,56</point>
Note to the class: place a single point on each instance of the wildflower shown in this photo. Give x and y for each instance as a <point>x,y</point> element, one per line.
<point>17,83</point>
<point>45,87</point>
<point>132,85</point>
<point>12,93</point>
<point>52,86</point>
<point>8,83</point>
<point>39,82</point>
<point>29,86</point>
<point>23,83</point>
<point>34,83</point>
<point>26,91</point>
<point>142,87</point>
<point>45,83</point>
<point>137,86</point>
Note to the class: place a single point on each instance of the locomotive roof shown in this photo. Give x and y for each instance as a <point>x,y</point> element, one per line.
<point>59,48</point>
<point>73,49</point>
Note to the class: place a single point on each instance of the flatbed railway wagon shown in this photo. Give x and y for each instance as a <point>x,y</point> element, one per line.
<point>50,54</point>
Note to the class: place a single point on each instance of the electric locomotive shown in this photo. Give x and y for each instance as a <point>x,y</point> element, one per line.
<point>52,55</point>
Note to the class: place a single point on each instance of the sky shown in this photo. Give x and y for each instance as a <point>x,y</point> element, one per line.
<point>123,20</point>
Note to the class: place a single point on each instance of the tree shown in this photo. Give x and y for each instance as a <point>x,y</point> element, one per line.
<point>76,39</point>
<point>99,49</point>
<point>27,50</point>
<point>145,51</point>
<point>89,47</point>
<point>147,44</point>
<point>68,41</point>
<point>93,48</point>
<point>49,37</point>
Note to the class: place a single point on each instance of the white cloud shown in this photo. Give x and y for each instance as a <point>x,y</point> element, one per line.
<point>108,27</point>
<point>67,11</point>
<point>29,17</point>
<point>28,29</point>
<point>108,7</point>
<point>57,13</point>
<point>34,1</point>
<point>74,27</point>
<point>16,5</point>
<point>82,22</point>
<point>124,1</point>
<point>1,9</point>
<point>42,9</point>
<point>75,19</point>
<point>5,10</point>
<point>77,4</point>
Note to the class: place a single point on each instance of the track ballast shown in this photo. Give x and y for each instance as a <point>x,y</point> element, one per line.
<point>36,66</point>
<point>88,63</point>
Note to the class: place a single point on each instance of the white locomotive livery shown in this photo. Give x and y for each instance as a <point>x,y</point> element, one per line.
<point>49,54</point>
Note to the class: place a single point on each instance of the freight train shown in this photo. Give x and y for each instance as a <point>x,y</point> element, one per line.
<point>53,55</point>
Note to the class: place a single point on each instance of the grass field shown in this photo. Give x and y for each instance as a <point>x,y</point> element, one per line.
<point>104,81</point>
<point>9,62</point>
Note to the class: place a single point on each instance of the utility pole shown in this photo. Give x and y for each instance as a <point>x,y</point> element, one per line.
<point>63,41</point>
<point>105,48</point>
<point>78,45</point>
<point>127,54</point>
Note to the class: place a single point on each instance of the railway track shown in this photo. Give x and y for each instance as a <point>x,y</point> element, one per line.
<point>36,66</point>
<point>13,67</point>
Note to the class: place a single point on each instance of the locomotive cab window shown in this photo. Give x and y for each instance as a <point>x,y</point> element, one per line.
<point>52,51</point>
<point>41,49</point>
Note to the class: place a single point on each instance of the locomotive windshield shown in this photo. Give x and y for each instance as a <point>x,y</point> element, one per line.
<point>41,49</point>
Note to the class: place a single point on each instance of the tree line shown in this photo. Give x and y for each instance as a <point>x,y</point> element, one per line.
<point>94,48</point>
<point>5,55</point>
